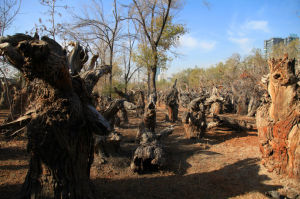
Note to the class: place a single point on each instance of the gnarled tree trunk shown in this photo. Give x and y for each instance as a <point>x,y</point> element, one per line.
<point>194,120</point>
<point>62,121</point>
<point>278,120</point>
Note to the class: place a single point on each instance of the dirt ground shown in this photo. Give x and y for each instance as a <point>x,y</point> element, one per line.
<point>224,164</point>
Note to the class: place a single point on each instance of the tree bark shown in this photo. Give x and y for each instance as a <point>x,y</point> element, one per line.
<point>278,118</point>
<point>172,103</point>
<point>62,120</point>
<point>153,76</point>
<point>194,120</point>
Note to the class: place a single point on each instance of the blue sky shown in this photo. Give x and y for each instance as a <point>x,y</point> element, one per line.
<point>214,32</point>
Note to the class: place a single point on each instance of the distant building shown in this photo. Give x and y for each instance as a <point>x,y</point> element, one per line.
<point>268,44</point>
<point>290,38</point>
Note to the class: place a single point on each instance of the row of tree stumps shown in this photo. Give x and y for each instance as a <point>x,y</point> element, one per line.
<point>61,119</point>
<point>278,119</point>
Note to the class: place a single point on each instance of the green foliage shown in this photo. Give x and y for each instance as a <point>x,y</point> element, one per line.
<point>144,57</point>
<point>171,33</point>
<point>224,74</point>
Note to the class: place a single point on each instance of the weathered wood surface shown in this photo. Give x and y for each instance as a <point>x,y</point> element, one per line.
<point>278,120</point>
<point>150,154</point>
<point>194,120</point>
<point>62,121</point>
<point>237,121</point>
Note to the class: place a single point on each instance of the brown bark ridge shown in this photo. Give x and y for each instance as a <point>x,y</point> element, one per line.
<point>194,120</point>
<point>171,101</point>
<point>277,120</point>
<point>62,120</point>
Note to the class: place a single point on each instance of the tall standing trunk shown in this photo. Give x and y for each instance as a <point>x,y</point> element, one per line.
<point>61,120</point>
<point>278,119</point>
<point>153,74</point>
<point>126,85</point>
<point>110,74</point>
<point>148,82</point>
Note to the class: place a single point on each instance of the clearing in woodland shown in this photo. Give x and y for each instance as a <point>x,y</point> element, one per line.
<point>223,164</point>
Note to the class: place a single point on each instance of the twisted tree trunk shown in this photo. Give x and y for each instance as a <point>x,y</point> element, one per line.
<point>62,121</point>
<point>194,120</point>
<point>278,120</point>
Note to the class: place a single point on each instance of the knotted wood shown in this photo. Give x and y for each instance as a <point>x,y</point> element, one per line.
<point>278,120</point>
<point>62,122</point>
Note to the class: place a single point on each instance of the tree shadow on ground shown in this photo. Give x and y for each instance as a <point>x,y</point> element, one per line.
<point>10,191</point>
<point>222,134</point>
<point>13,167</point>
<point>232,180</point>
<point>15,153</point>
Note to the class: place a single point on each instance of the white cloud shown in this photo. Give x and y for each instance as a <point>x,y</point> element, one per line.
<point>188,41</point>
<point>257,25</point>
<point>240,41</point>
<point>207,45</point>
<point>242,34</point>
<point>244,43</point>
<point>191,43</point>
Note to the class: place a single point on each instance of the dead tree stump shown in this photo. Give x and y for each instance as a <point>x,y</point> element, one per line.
<point>150,154</point>
<point>62,120</point>
<point>194,120</point>
<point>278,120</point>
<point>172,103</point>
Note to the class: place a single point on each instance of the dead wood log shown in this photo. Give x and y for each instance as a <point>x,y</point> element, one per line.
<point>277,120</point>
<point>60,131</point>
<point>194,120</point>
<point>235,121</point>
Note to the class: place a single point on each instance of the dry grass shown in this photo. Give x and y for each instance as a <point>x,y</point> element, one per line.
<point>225,164</point>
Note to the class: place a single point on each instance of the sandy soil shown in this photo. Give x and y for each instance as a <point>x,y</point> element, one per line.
<point>225,164</point>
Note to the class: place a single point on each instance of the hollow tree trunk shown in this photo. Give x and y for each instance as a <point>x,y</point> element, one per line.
<point>278,120</point>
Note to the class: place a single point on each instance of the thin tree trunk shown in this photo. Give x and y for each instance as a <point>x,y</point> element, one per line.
<point>148,82</point>
<point>153,75</point>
